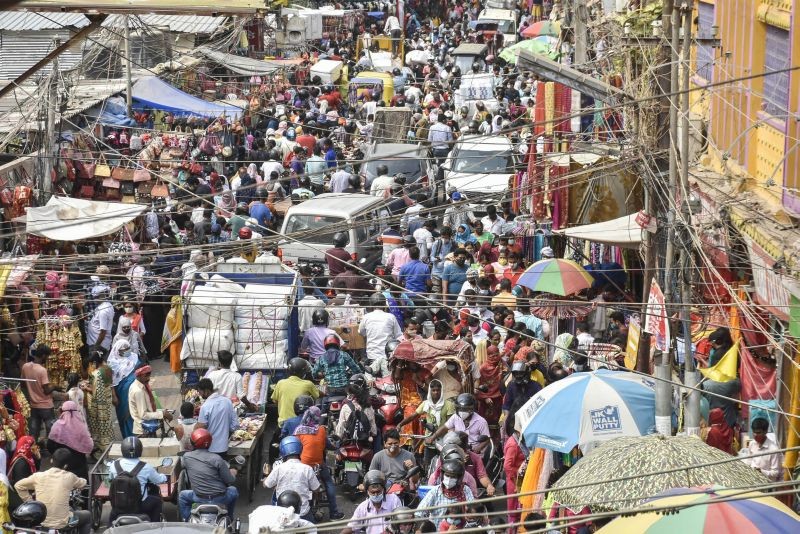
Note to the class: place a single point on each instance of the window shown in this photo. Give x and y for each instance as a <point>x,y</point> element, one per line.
<point>776,86</point>
<point>309,223</point>
<point>705,53</point>
<point>479,161</point>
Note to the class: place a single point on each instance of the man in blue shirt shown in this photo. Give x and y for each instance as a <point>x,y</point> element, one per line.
<point>260,212</point>
<point>439,251</point>
<point>131,450</point>
<point>217,415</point>
<point>414,275</point>
<point>454,275</point>
<point>330,153</point>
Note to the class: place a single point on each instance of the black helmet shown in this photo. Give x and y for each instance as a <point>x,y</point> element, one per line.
<point>465,401</point>
<point>400,102</point>
<point>453,451</point>
<point>391,346</point>
<point>396,72</point>
<point>303,403</point>
<point>354,181</point>
<point>374,477</point>
<point>473,126</point>
<point>377,300</point>
<point>381,169</point>
<point>131,447</point>
<point>358,381</point>
<point>274,155</point>
<point>409,241</point>
<point>29,514</point>
<point>320,317</point>
<point>453,468</point>
<point>451,438</point>
<point>290,499</point>
<point>340,239</point>
<point>403,517</point>
<point>519,367</point>
<point>299,367</point>
<point>476,66</point>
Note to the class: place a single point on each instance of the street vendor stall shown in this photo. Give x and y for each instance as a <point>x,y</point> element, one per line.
<point>248,441</point>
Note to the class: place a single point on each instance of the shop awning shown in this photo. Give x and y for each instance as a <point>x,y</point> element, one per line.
<point>151,93</point>
<point>72,219</point>
<point>240,65</point>
<point>623,232</point>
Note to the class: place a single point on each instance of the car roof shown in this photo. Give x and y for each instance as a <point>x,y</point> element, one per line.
<point>396,150</point>
<point>495,13</point>
<point>484,143</point>
<point>470,49</point>
<point>335,204</point>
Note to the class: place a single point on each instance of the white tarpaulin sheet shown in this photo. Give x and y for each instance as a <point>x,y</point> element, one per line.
<point>623,232</point>
<point>71,219</point>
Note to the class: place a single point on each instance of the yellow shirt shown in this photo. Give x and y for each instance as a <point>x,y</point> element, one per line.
<point>286,391</point>
<point>505,299</point>
<point>52,488</point>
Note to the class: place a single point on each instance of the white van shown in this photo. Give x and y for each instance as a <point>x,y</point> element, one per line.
<point>314,222</point>
<point>480,168</point>
<point>506,20</point>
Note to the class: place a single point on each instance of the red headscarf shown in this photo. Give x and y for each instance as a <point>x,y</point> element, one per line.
<point>486,248</point>
<point>490,371</point>
<point>721,434</point>
<point>24,446</point>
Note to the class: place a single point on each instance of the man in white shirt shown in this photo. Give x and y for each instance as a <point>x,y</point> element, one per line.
<point>493,222</point>
<point>340,180</point>
<point>226,382</point>
<point>768,464</point>
<point>584,337</point>
<point>273,164</point>
<point>424,238</point>
<point>378,327</point>
<point>98,329</point>
<point>393,28</point>
<point>382,182</point>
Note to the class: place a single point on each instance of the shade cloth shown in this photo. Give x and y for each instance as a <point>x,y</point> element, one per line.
<point>151,93</point>
<point>71,219</point>
<point>623,232</point>
<point>240,65</point>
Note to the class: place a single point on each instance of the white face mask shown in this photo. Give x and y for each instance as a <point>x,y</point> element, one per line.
<point>449,482</point>
<point>128,310</point>
<point>464,415</point>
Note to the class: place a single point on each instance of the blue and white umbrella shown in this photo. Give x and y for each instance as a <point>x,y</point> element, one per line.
<point>588,407</point>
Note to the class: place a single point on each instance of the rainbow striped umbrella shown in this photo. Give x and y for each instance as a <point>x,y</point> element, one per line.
<point>704,510</point>
<point>557,276</point>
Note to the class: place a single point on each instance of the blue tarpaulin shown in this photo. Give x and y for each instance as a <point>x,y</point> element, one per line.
<point>151,93</point>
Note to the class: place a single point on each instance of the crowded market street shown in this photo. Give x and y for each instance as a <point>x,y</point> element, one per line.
<point>397,267</point>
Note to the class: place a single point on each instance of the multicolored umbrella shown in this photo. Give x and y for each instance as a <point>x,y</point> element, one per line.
<point>540,47</point>
<point>700,511</point>
<point>543,27</point>
<point>557,276</point>
<point>626,459</point>
<point>588,407</point>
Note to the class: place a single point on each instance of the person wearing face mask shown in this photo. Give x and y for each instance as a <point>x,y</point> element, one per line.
<point>439,502</point>
<point>126,332</point>
<point>466,420</point>
<point>132,313</point>
<point>393,461</point>
<point>377,503</point>
<point>454,275</point>
<point>761,444</point>
<point>515,268</point>
<point>521,387</point>
<point>501,264</point>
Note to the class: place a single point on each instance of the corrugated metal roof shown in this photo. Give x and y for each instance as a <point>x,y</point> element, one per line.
<point>21,21</point>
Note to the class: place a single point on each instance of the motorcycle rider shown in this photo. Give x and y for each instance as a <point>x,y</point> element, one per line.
<point>301,404</point>
<point>451,491</point>
<point>210,477</point>
<point>357,399</point>
<point>377,503</point>
<point>52,488</point>
<point>473,462</point>
<point>282,517</point>
<point>291,474</point>
<point>335,366</point>
<point>403,521</point>
<point>131,450</point>
<point>521,387</point>
<point>337,257</point>
<point>465,420</point>
<point>288,389</point>
<point>314,339</point>
<point>393,461</point>
<point>314,437</point>
<point>380,366</point>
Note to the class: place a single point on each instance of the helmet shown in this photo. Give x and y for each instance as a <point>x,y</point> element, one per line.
<point>396,72</point>
<point>476,66</point>
<point>290,499</point>
<point>452,451</point>
<point>519,367</point>
<point>340,239</point>
<point>359,381</point>
<point>274,155</point>
<point>299,367</point>
<point>245,233</point>
<point>319,318</point>
<point>354,181</point>
<point>303,403</point>
<point>403,517</point>
<point>332,340</point>
<point>453,468</point>
<point>400,102</point>
<point>465,401</point>
<point>390,347</point>
<point>408,240</point>
<point>451,438</point>
<point>473,126</point>
<point>29,514</point>
<point>374,477</point>
<point>377,300</point>
<point>201,438</point>
<point>131,447</point>
<point>290,446</point>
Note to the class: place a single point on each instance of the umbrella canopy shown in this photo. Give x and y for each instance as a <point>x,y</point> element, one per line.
<point>534,46</point>
<point>588,407</point>
<point>704,513</point>
<point>628,458</point>
<point>543,27</point>
<point>557,276</point>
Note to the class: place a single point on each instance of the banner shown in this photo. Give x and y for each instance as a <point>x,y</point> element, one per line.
<point>656,322</point>
<point>632,347</point>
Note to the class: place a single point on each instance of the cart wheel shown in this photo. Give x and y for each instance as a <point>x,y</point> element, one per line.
<point>97,513</point>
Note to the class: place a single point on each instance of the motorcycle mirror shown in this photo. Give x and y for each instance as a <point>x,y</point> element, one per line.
<point>414,471</point>
<point>166,462</point>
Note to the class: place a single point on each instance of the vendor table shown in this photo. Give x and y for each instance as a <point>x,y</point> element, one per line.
<point>252,450</point>
<point>99,485</point>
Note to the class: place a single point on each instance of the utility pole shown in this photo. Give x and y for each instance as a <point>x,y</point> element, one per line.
<point>48,146</point>
<point>581,36</point>
<point>127,60</point>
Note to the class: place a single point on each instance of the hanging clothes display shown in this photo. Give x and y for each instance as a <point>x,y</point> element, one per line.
<point>64,339</point>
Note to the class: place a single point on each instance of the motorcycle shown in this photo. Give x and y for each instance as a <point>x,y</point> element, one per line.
<point>389,414</point>
<point>403,487</point>
<point>214,514</point>
<point>352,463</point>
<point>35,527</point>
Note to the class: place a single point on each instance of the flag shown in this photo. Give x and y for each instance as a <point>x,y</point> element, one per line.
<point>725,369</point>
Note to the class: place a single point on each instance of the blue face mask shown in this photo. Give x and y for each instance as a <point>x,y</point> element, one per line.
<point>376,499</point>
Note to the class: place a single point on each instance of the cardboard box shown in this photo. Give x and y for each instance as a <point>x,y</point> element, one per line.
<point>150,447</point>
<point>115,451</point>
<point>169,447</point>
<point>350,335</point>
